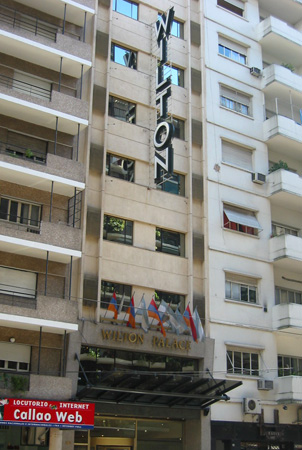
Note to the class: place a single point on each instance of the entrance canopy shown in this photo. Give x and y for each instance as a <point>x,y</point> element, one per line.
<point>188,391</point>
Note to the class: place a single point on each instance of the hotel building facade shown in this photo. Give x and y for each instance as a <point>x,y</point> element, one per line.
<point>83,88</point>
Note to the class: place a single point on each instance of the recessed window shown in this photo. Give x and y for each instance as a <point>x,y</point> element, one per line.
<point>242,220</point>
<point>18,283</point>
<point>235,6</point>
<point>17,211</point>
<point>177,29</point>
<point>237,155</point>
<point>174,300</point>
<point>280,230</point>
<point>235,100</point>
<point>123,56</point>
<point>170,242</point>
<point>122,110</point>
<point>285,296</point>
<point>240,288</point>
<point>122,292</point>
<point>244,363</point>
<point>120,167</point>
<point>126,7</point>
<point>232,50</point>
<point>177,75</point>
<point>289,365</point>
<point>15,357</point>
<point>174,184</point>
<point>118,230</point>
<point>179,126</point>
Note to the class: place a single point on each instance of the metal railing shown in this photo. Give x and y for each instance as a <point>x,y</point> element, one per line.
<point>286,109</point>
<point>26,153</point>
<point>27,88</point>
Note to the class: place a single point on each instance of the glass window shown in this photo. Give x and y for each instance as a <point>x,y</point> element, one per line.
<point>235,100</point>
<point>123,56</point>
<point>177,75</point>
<point>174,300</point>
<point>283,295</point>
<point>242,220</point>
<point>20,212</point>
<point>289,365</point>
<point>126,7</point>
<point>118,230</point>
<point>179,126</point>
<point>279,230</point>
<point>241,292</point>
<point>244,363</point>
<point>235,6</point>
<point>122,292</point>
<point>177,29</point>
<point>170,242</point>
<point>122,110</point>
<point>232,54</point>
<point>174,184</point>
<point>120,167</point>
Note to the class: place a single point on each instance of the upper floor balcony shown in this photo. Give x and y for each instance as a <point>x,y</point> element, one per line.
<point>280,40</point>
<point>287,317</point>
<point>289,389</point>
<point>285,189</point>
<point>24,29</point>
<point>288,10</point>
<point>285,252</point>
<point>278,80</point>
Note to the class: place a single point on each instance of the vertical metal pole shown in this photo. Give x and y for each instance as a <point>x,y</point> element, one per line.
<point>63,29</point>
<point>291,105</point>
<point>39,354</point>
<point>81,83</point>
<point>70,278</point>
<point>78,142</point>
<point>46,273</point>
<point>60,74</point>
<point>63,371</point>
<point>276,100</point>
<point>74,206</point>
<point>56,136</point>
<point>51,199</point>
<point>84,29</point>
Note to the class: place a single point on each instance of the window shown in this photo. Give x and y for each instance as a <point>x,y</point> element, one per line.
<point>177,29</point>
<point>232,50</point>
<point>14,357</point>
<point>289,365</point>
<point>235,6</point>
<point>120,167</point>
<point>236,155</point>
<point>235,100</point>
<point>122,292</point>
<point>280,230</point>
<point>241,288</point>
<point>123,56</point>
<point>244,363</point>
<point>177,75</point>
<point>283,295</point>
<point>170,242</point>
<point>121,109</point>
<point>179,126</point>
<point>126,7</point>
<point>238,219</point>
<point>20,212</point>
<point>174,184</point>
<point>118,230</point>
<point>174,300</point>
<point>18,283</point>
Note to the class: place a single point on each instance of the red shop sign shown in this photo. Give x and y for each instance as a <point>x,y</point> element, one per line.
<point>46,413</point>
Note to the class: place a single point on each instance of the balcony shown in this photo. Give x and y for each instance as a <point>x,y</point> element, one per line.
<point>289,389</point>
<point>289,10</point>
<point>277,80</point>
<point>279,40</point>
<point>285,189</point>
<point>286,252</point>
<point>287,317</point>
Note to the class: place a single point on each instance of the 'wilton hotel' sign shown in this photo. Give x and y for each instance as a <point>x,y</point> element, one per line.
<point>164,132</point>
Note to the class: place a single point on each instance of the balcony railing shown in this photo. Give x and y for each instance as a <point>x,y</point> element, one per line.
<point>31,24</point>
<point>28,154</point>
<point>286,109</point>
<point>26,88</point>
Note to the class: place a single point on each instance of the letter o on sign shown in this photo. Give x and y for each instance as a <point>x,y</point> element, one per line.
<point>163,134</point>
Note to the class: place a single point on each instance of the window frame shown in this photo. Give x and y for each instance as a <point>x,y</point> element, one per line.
<point>281,291</point>
<point>161,246</point>
<point>291,231</point>
<point>231,7</point>
<point>180,74</point>
<point>131,110</point>
<point>233,355</point>
<point>235,101</point>
<point>31,222</point>
<point>291,361</point>
<point>179,126</point>
<point>124,162</point>
<point>230,53</point>
<point>120,289</point>
<point>173,300</point>
<point>29,278</point>
<point>239,227</point>
<point>127,50</point>
<point>165,180</point>
<point>251,287</point>
<point>115,8</point>
<point>127,227</point>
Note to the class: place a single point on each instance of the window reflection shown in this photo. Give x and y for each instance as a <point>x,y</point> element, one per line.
<point>120,167</point>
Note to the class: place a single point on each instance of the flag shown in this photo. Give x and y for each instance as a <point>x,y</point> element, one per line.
<point>113,305</point>
<point>178,322</point>
<point>198,326</point>
<point>163,311</point>
<point>153,312</point>
<point>142,311</point>
<point>131,312</point>
<point>121,304</point>
<point>190,322</point>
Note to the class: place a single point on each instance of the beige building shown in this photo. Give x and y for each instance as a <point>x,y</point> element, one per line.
<point>89,212</point>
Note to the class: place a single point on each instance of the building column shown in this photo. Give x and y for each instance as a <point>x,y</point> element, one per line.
<point>55,439</point>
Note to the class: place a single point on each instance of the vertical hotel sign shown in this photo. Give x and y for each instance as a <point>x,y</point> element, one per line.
<point>164,132</point>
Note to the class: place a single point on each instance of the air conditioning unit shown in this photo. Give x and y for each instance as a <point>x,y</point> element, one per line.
<point>251,406</point>
<point>265,385</point>
<point>258,178</point>
<point>255,72</point>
